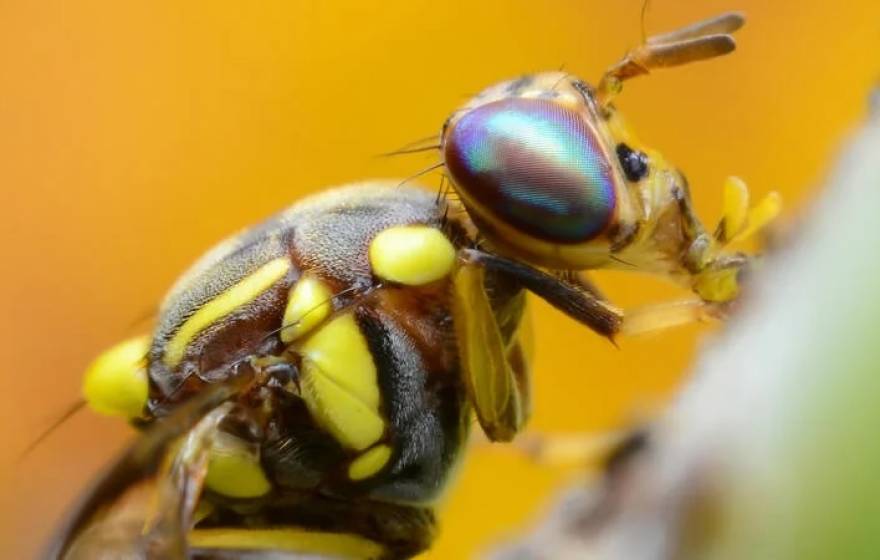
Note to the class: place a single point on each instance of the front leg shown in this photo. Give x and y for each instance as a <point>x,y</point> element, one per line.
<point>575,296</point>
<point>495,370</point>
<point>581,303</point>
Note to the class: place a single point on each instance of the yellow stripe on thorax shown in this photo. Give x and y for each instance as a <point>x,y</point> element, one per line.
<point>343,545</point>
<point>247,290</point>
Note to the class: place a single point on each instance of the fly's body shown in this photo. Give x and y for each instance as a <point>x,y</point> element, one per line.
<point>351,410</point>
<point>361,370</point>
<point>310,382</point>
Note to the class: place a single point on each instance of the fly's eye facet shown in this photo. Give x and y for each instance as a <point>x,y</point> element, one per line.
<point>634,164</point>
<point>534,165</point>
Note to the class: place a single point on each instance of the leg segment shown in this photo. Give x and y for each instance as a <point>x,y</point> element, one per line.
<point>579,303</point>
<point>662,316</point>
<point>578,298</point>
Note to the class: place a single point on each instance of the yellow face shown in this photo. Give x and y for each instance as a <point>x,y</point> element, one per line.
<point>552,174</point>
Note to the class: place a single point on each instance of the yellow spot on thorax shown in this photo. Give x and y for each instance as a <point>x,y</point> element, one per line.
<point>411,255</point>
<point>234,468</point>
<point>245,291</point>
<point>290,539</point>
<point>116,382</point>
<point>339,383</point>
<point>369,463</point>
<point>308,304</point>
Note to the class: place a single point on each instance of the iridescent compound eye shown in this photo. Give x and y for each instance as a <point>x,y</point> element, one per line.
<point>535,166</point>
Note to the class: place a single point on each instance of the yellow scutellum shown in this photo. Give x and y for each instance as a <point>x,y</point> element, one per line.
<point>234,468</point>
<point>116,382</point>
<point>339,383</point>
<point>369,463</point>
<point>309,303</point>
<point>411,255</point>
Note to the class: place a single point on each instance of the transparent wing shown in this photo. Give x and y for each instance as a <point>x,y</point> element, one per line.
<point>141,507</point>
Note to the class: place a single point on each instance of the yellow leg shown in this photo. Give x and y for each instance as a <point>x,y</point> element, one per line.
<point>662,316</point>
<point>570,450</point>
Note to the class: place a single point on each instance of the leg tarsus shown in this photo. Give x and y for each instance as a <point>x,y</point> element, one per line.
<point>570,450</point>
<point>662,316</point>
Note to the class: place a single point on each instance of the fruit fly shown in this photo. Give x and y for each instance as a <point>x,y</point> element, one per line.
<point>310,382</point>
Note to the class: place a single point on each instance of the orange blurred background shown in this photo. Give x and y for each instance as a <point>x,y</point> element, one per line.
<point>134,135</point>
